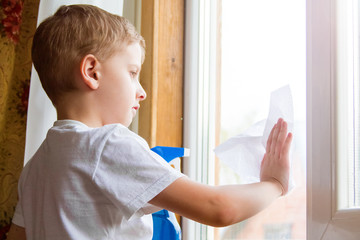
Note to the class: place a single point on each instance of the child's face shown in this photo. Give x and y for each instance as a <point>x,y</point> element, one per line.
<point>119,88</point>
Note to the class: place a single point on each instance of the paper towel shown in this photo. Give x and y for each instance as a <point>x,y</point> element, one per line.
<point>244,152</point>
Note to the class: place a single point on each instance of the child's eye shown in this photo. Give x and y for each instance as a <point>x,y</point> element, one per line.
<point>133,74</point>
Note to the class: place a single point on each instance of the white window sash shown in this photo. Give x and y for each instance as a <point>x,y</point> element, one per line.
<point>324,219</point>
<point>199,101</point>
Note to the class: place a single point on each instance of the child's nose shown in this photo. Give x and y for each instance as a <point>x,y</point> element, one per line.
<point>141,93</point>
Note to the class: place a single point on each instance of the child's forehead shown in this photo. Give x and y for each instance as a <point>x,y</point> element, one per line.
<point>129,55</point>
<point>132,53</point>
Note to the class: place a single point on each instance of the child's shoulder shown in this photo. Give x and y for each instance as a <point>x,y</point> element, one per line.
<point>111,135</point>
<point>121,134</point>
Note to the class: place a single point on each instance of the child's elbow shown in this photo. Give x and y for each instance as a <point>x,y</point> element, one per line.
<point>225,212</point>
<point>224,218</point>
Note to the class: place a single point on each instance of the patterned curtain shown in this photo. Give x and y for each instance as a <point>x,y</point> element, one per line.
<point>18,23</point>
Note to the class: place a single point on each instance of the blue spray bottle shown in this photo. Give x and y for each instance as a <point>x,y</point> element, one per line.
<point>165,224</point>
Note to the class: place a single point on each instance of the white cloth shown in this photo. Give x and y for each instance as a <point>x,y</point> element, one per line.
<point>244,152</point>
<point>41,113</point>
<point>91,183</point>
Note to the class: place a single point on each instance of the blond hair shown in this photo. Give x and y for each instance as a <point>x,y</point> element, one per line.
<point>62,40</point>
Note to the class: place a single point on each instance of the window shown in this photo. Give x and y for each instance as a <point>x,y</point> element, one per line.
<point>247,49</point>
<point>332,110</point>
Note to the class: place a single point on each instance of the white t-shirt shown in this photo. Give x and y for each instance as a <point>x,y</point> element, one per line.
<point>91,183</point>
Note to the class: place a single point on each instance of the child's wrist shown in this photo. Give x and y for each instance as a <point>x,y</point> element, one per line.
<point>278,186</point>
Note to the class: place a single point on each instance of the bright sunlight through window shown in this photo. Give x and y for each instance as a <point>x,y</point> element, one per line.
<point>262,49</point>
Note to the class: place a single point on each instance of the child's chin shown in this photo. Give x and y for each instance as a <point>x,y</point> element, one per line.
<point>128,123</point>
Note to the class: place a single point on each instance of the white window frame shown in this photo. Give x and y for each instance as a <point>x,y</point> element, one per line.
<point>199,101</point>
<point>324,219</point>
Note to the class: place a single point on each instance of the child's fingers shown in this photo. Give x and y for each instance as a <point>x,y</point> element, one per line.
<point>262,161</point>
<point>286,148</point>
<point>281,139</point>
<point>275,136</point>
<point>269,140</point>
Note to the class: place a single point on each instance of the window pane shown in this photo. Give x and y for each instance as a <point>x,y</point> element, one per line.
<point>263,49</point>
<point>356,112</point>
<point>348,103</point>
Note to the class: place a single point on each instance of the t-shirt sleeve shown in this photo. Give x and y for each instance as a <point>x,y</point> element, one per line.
<point>130,174</point>
<point>18,218</point>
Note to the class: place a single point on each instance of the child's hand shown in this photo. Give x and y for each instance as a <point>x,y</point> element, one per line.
<point>275,164</point>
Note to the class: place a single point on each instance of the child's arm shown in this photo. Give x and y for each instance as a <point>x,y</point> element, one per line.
<point>16,233</point>
<point>226,205</point>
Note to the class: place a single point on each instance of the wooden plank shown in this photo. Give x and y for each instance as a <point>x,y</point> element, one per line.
<point>160,117</point>
<point>148,77</point>
<point>170,74</point>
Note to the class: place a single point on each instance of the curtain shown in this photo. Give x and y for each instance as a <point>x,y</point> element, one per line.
<point>18,22</point>
<point>25,116</point>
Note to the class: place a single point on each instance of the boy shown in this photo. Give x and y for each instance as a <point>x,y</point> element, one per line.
<point>92,178</point>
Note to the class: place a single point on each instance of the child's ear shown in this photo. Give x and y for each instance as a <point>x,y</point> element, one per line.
<point>89,71</point>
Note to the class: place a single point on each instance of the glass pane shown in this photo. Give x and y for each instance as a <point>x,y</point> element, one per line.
<point>262,49</point>
<point>356,110</point>
<point>348,103</point>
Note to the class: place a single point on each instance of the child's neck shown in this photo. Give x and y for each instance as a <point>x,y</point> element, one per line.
<point>81,110</point>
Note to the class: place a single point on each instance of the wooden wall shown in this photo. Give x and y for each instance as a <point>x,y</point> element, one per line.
<point>160,116</point>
